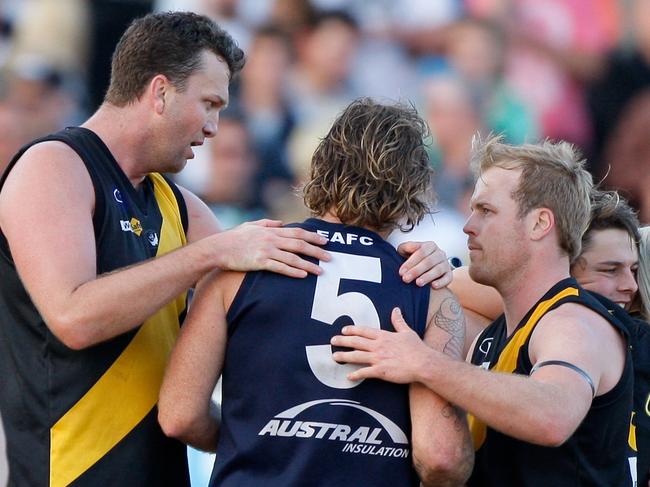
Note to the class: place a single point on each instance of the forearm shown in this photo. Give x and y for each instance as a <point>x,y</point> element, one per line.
<point>442,448</point>
<point>119,301</point>
<point>513,404</point>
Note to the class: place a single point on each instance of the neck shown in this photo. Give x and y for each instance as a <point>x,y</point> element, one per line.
<point>331,217</point>
<point>115,127</point>
<point>522,292</point>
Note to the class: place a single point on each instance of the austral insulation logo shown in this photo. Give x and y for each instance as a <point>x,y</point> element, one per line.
<point>381,437</point>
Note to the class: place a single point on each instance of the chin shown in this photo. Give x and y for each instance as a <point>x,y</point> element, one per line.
<point>479,275</point>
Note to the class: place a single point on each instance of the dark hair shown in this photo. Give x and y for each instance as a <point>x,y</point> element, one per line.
<point>169,43</point>
<point>610,210</point>
<point>372,168</point>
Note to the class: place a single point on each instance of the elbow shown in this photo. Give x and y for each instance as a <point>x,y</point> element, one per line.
<point>70,332</point>
<point>447,467</point>
<point>552,434</point>
<point>553,429</point>
<point>173,424</point>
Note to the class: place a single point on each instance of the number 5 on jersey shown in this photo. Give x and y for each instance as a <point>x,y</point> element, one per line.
<point>329,305</point>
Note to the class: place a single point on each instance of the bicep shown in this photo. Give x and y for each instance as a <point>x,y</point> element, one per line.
<point>197,358</point>
<point>576,340</point>
<point>46,210</point>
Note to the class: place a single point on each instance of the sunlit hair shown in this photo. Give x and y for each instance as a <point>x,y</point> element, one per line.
<point>643,274</point>
<point>610,210</point>
<point>372,169</point>
<point>168,43</point>
<point>552,176</point>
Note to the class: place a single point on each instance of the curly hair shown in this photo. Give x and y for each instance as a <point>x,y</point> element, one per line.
<point>169,43</point>
<point>372,169</point>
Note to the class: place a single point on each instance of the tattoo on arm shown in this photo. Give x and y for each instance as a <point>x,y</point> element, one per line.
<point>449,318</point>
<point>456,414</point>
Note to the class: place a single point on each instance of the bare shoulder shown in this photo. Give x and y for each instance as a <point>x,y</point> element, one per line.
<point>220,284</point>
<point>579,335</point>
<point>577,318</point>
<point>201,221</point>
<point>47,160</point>
<point>49,177</point>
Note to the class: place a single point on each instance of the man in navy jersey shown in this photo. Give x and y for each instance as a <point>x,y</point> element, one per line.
<point>290,416</point>
<point>551,398</point>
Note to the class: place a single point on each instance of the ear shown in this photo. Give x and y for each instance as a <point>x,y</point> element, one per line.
<point>542,221</point>
<point>158,90</point>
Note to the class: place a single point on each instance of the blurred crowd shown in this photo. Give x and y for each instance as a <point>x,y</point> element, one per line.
<point>577,70</point>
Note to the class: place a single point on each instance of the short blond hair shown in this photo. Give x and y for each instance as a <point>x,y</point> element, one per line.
<point>553,176</point>
<point>372,168</point>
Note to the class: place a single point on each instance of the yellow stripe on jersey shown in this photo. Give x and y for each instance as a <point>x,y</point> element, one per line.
<point>128,390</point>
<point>631,437</point>
<point>507,361</point>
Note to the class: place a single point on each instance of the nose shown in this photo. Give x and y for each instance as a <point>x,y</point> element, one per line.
<point>470,228</point>
<point>628,282</point>
<point>210,126</point>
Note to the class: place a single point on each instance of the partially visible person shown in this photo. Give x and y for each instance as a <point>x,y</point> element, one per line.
<point>547,406</point>
<point>267,334</point>
<point>4,465</point>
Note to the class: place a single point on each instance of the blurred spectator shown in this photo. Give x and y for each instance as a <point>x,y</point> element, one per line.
<point>319,85</point>
<point>108,20</point>
<point>34,101</point>
<point>226,14</point>
<point>229,180</point>
<point>294,17</point>
<point>477,50</point>
<point>263,100</point>
<point>625,74</point>
<point>454,119</point>
<point>627,155</point>
<point>53,30</point>
<point>555,46</point>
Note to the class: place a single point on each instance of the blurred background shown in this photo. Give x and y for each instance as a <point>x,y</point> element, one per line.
<point>577,70</point>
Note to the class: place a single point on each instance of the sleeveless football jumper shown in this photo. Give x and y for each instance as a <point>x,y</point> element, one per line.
<point>290,417</point>
<point>89,417</point>
<point>595,455</point>
<point>639,437</point>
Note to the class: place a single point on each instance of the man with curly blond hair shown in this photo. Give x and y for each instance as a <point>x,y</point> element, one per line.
<point>290,416</point>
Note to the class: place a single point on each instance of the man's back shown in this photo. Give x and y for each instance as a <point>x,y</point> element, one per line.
<point>289,412</point>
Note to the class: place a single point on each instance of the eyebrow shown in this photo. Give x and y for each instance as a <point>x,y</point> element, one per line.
<point>616,263</point>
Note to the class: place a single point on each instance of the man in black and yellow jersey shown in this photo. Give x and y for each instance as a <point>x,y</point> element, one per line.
<point>97,251</point>
<point>549,393</point>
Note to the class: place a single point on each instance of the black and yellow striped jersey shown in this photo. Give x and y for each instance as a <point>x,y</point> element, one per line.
<point>89,417</point>
<point>595,455</point>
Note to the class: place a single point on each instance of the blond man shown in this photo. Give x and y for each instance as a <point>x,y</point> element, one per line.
<point>550,399</point>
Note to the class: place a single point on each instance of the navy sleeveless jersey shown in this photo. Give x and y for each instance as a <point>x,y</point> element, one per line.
<point>595,455</point>
<point>73,417</point>
<point>290,417</point>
